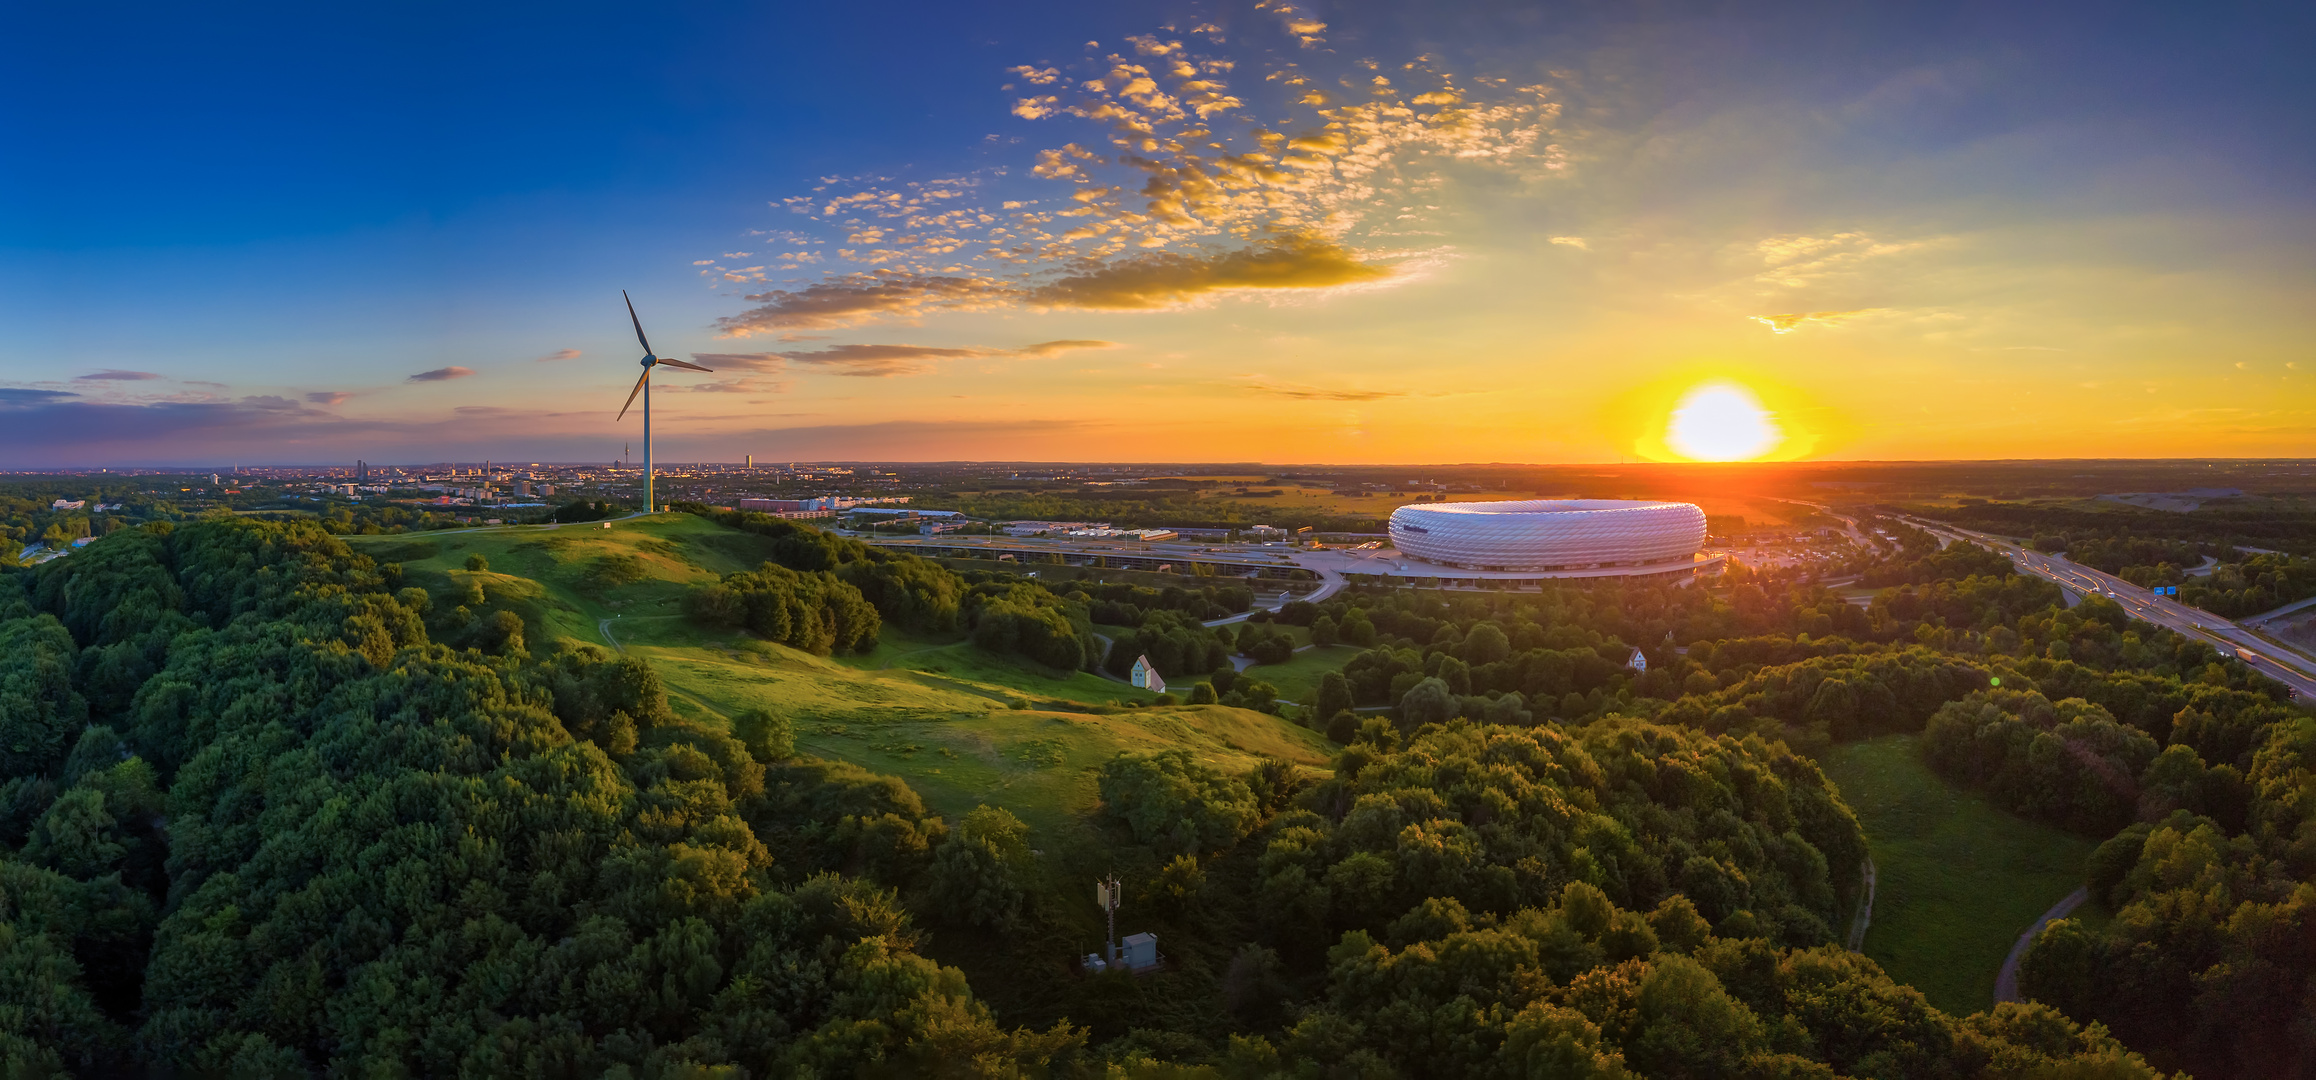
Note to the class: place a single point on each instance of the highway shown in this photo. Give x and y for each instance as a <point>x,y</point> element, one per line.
<point>2265,657</point>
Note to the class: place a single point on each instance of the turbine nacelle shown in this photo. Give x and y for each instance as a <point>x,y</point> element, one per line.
<point>648,362</point>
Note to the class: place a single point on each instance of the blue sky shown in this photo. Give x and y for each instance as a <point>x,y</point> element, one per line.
<point>238,236</point>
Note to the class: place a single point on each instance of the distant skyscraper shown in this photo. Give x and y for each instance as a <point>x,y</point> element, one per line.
<point>361,471</point>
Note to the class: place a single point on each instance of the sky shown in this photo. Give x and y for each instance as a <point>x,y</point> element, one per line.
<point>1264,231</point>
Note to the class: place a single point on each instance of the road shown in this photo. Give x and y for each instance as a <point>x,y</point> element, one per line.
<point>2006,981</point>
<point>2229,638</point>
<point>1330,583</point>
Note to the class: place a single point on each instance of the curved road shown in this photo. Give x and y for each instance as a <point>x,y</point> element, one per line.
<point>2006,982</point>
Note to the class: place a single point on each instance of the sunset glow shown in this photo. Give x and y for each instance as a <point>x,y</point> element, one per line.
<point>1721,422</point>
<point>1377,235</point>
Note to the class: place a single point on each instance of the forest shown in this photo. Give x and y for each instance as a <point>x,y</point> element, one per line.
<point>272,810</point>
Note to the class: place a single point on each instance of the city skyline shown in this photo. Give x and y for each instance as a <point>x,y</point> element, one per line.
<point>1270,232</point>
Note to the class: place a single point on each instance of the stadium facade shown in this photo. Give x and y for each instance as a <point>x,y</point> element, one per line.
<point>1596,537</point>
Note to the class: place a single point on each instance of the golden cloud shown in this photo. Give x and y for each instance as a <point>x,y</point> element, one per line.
<point>859,298</point>
<point>879,361</point>
<point>1310,393</point>
<point>1170,279</point>
<point>762,361</point>
<point>1791,321</point>
<point>442,374</point>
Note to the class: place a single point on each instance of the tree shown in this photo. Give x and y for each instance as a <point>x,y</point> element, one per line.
<point>1334,695</point>
<point>972,879</point>
<point>1343,727</point>
<point>1323,631</point>
<point>477,563</point>
<point>770,739</point>
<point>1203,694</point>
<point>1429,702</point>
<point>1175,803</point>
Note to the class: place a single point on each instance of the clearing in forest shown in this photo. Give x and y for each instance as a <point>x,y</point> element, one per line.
<point>962,725</point>
<point>1958,879</point>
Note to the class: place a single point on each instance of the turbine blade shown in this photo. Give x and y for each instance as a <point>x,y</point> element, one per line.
<point>638,323</point>
<point>631,394</point>
<point>682,364</point>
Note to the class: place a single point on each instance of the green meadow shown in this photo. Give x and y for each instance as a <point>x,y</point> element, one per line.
<point>1958,879</point>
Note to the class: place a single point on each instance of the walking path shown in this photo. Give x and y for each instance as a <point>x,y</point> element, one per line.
<point>2006,983</point>
<point>604,625</point>
<point>1865,912</point>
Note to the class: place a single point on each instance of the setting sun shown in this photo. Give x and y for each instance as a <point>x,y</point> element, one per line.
<point>1721,422</point>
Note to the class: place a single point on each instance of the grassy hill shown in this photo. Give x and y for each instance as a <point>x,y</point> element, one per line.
<point>961,725</point>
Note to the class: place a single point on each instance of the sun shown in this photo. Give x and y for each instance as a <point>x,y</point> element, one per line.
<point>1722,422</point>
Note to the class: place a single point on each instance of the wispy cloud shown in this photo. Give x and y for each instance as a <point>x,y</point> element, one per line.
<point>561,354</point>
<point>12,397</point>
<point>441,374</point>
<point>329,397</point>
<point>878,361</point>
<point>1313,393</point>
<point>1792,321</point>
<point>113,375</point>
<point>1056,348</point>
<point>761,361</point>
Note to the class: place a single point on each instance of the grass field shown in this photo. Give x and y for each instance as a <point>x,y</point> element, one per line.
<point>1959,880</point>
<point>1298,679</point>
<point>961,725</point>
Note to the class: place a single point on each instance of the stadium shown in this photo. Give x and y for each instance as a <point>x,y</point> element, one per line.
<point>1553,535</point>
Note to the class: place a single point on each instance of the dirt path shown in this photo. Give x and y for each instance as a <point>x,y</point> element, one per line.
<point>2006,983</point>
<point>1865,912</point>
<point>604,625</point>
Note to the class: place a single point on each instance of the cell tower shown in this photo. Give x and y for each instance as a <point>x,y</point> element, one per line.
<point>1137,953</point>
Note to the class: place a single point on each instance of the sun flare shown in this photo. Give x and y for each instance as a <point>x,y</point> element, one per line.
<point>1722,422</point>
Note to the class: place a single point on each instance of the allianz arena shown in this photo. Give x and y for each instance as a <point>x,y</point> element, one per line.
<point>1550,535</point>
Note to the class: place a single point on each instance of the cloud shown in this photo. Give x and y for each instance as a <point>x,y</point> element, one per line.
<point>1309,393</point>
<point>1301,25</point>
<point>11,397</point>
<point>859,298</point>
<point>113,375</point>
<point>1168,279</point>
<point>442,373</point>
<point>879,361</point>
<point>1577,242</point>
<point>761,361</point>
<point>329,397</point>
<point>1177,188</point>
<point>561,354</point>
<point>1792,321</point>
<point>1056,348</point>
<point>39,422</point>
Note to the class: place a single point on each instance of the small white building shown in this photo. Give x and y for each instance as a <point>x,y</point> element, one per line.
<point>1638,661</point>
<point>1146,676</point>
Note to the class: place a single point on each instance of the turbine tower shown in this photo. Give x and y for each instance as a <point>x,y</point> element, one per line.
<point>643,386</point>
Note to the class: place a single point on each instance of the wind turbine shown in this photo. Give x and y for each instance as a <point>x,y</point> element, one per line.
<point>643,386</point>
